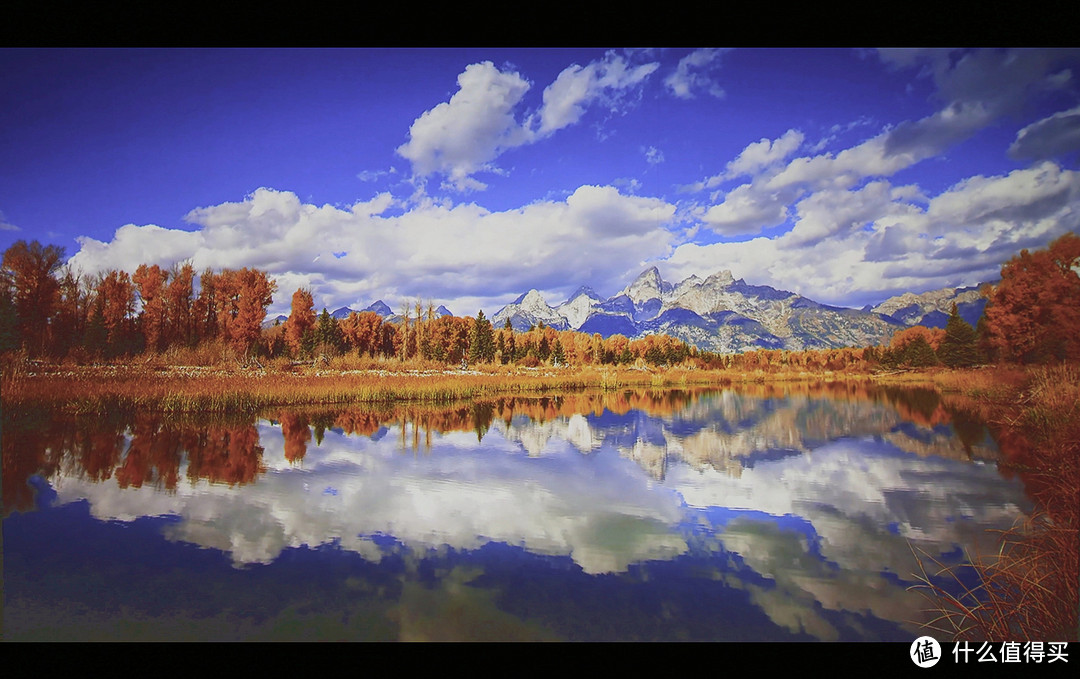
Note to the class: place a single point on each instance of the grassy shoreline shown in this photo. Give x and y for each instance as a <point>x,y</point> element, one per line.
<point>87,389</point>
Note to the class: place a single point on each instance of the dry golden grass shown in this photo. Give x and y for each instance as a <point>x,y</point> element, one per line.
<point>153,385</point>
<point>188,380</point>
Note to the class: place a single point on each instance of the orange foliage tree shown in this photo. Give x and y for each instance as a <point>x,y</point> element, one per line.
<point>116,305</point>
<point>1033,315</point>
<point>204,309</point>
<point>30,269</point>
<point>150,282</point>
<point>361,331</point>
<point>247,293</point>
<point>179,305</point>
<point>301,320</point>
<point>902,338</point>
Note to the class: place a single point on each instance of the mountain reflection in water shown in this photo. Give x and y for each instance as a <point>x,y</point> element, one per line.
<point>792,507</point>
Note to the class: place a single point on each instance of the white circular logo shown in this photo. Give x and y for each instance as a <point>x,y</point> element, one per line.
<point>925,651</point>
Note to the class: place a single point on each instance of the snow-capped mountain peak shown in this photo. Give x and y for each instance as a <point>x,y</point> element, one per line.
<point>380,308</point>
<point>528,310</point>
<point>648,285</point>
<point>723,313</point>
<point>578,308</point>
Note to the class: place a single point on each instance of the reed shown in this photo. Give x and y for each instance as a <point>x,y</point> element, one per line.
<point>1028,590</point>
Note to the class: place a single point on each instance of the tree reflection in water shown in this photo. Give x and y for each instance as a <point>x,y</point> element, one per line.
<point>790,504</point>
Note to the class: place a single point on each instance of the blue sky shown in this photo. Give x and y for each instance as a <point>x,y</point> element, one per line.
<point>468,176</point>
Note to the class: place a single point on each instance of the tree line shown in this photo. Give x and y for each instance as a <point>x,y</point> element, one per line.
<point>49,311</point>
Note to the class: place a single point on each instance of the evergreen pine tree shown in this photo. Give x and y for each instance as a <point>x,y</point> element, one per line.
<point>919,353</point>
<point>328,336</point>
<point>307,342</point>
<point>959,349</point>
<point>482,341</point>
<point>558,356</point>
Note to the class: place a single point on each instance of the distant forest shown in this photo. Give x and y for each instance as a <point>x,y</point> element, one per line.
<point>49,312</point>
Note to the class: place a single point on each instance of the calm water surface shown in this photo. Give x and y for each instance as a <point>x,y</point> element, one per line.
<point>761,513</point>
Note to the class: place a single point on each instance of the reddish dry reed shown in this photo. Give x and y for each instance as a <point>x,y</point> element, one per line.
<point>1030,589</point>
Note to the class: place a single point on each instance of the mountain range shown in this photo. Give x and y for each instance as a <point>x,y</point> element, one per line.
<point>379,307</point>
<point>723,314</point>
<point>932,308</point>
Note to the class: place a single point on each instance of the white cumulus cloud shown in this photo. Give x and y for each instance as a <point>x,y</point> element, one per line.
<point>853,247</point>
<point>464,253</point>
<point>464,135</point>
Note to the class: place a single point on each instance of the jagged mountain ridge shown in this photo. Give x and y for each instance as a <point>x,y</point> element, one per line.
<point>383,310</point>
<point>932,308</point>
<point>723,314</point>
<point>378,306</point>
<point>719,313</point>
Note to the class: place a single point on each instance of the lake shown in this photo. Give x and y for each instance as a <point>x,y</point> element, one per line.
<point>765,512</point>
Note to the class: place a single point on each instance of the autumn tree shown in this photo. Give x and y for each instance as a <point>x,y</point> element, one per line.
<point>95,338</point>
<point>29,269</point>
<point>150,284</point>
<point>301,320</point>
<point>115,307</point>
<point>205,307</point>
<point>234,303</point>
<point>387,339</point>
<point>361,331</point>
<point>9,322</point>
<point>249,293</point>
<point>440,334</point>
<point>1032,315</point>
<point>179,305</point>
<point>68,325</point>
<point>902,338</point>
